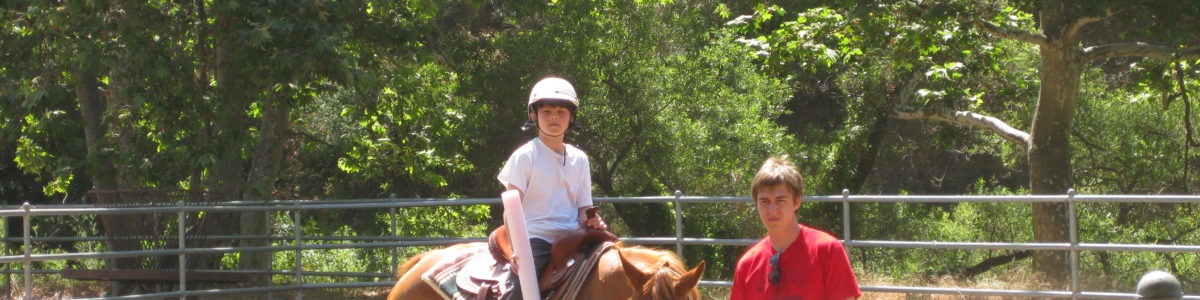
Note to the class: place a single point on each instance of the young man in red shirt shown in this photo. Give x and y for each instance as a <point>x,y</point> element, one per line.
<point>793,261</point>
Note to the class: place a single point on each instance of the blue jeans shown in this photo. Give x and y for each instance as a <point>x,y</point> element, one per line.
<point>541,258</point>
<point>541,254</point>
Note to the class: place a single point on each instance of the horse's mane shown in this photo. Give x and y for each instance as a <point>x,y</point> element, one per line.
<point>652,254</point>
<point>408,264</point>
<point>666,270</point>
<point>413,260</point>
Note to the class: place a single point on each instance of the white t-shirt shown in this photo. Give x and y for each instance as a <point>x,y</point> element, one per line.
<point>555,187</point>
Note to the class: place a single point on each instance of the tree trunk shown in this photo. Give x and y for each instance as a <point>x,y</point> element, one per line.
<point>996,261</point>
<point>647,219</point>
<point>641,219</point>
<point>1050,149</point>
<point>100,168</point>
<point>203,61</point>
<point>227,174</point>
<point>874,141</point>
<point>268,156</point>
<point>227,127</point>
<point>122,115</point>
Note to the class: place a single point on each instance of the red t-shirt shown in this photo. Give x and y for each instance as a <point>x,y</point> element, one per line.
<point>814,267</point>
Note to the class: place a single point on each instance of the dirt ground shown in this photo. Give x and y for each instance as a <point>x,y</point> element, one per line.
<point>52,287</point>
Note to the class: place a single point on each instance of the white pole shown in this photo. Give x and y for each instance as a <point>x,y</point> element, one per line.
<point>515,219</point>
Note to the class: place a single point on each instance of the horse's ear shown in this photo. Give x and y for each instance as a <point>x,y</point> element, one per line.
<point>689,280</point>
<point>635,275</point>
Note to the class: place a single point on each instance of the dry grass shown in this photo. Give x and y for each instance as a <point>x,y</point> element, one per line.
<point>53,287</point>
<point>45,287</point>
<point>1013,279</point>
<point>1010,280</point>
<point>89,289</point>
<point>323,294</point>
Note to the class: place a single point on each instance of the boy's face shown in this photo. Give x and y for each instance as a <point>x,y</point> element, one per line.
<point>777,207</point>
<point>552,119</point>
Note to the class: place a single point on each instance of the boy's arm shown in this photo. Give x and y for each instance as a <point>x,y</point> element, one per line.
<point>509,187</point>
<point>584,200</point>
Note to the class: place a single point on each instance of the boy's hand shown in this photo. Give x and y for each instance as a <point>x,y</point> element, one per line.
<point>512,263</point>
<point>597,223</point>
<point>593,220</point>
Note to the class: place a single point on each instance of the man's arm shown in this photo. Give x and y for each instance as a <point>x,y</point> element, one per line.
<point>840,278</point>
<point>737,293</point>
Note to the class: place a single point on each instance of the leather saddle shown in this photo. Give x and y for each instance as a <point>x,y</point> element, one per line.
<point>481,278</point>
<point>563,253</point>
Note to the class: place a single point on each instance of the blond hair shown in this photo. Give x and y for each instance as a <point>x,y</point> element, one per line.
<point>775,171</point>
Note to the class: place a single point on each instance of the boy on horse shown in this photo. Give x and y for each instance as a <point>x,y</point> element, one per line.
<point>793,261</point>
<point>553,177</point>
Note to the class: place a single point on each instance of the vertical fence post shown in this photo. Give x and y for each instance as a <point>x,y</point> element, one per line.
<point>182,249</point>
<point>299,252</point>
<point>678,224</point>
<point>28,251</point>
<point>1074,243</point>
<point>272,215</point>
<point>846,216</point>
<point>7,292</point>
<point>395,237</point>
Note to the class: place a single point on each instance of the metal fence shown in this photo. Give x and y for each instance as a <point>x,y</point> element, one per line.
<point>296,207</point>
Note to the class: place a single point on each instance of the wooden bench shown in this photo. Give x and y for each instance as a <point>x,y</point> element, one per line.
<point>157,231</point>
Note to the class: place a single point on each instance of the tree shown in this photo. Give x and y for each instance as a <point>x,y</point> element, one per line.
<point>658,82</point>
<point>142,126</point>
<point>648,95</point>
<point>1064,54</point>
<point>1065,50</point>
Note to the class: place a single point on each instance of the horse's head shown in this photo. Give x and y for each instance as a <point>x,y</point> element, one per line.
<point>665,279</point>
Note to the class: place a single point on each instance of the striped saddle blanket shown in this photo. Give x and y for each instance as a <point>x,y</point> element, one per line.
<point>473,274</point>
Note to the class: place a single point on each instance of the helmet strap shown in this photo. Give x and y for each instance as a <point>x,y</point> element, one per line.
<point>550,135</point>
<point>547,133</point>
<point>572,126</point>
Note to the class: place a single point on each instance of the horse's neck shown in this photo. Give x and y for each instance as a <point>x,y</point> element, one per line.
<point>610,281</point>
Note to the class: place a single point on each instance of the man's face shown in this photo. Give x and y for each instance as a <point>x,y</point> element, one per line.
<point>777,207</point>
<point>553,119</point>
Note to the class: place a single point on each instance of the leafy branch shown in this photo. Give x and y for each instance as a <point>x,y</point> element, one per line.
<point>1011,33</point>
<point>969,119</point>
<point>1157,52</point>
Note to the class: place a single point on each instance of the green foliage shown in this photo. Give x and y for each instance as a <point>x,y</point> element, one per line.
<point>1132,144</point>
<point>445,221</point>
<point>423,99</point>
<point>904,56</point>
<point>668,102</point>
<point>943,222</point>
<point>411,127</point>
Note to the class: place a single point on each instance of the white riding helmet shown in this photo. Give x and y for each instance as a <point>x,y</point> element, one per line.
<point>553,88</point>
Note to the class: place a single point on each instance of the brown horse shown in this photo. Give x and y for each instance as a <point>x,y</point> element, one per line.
<point>623,273</point>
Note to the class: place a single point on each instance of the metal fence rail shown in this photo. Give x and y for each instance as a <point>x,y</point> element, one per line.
<point>27,212</point>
